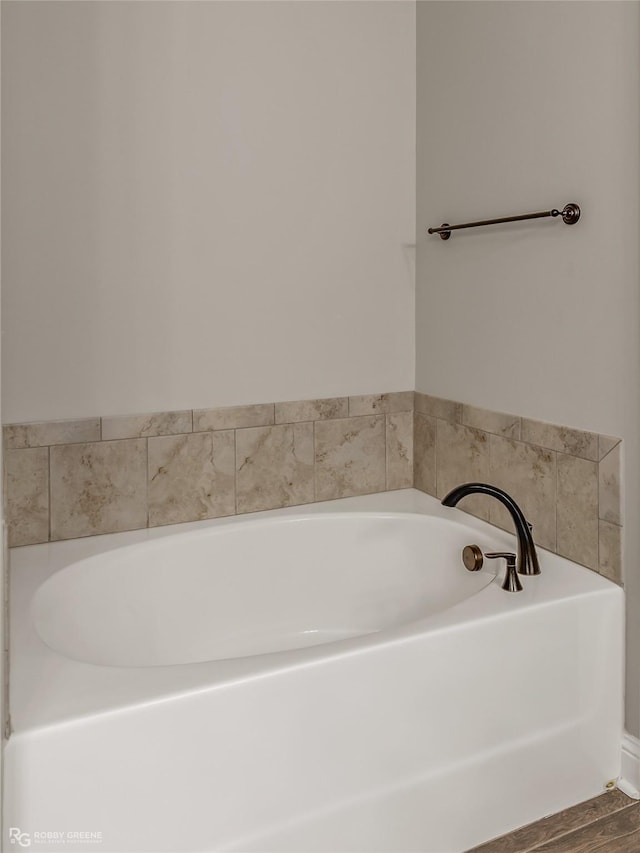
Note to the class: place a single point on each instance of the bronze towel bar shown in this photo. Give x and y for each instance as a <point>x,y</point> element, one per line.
<point>570,214</point>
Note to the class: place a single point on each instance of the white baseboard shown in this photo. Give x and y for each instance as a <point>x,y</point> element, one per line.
<point>629,781</point>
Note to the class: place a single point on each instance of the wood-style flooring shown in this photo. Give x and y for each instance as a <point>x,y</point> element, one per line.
<point>609,824</point>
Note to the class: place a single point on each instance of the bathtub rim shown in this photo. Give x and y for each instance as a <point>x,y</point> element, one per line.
<point>48,689</point>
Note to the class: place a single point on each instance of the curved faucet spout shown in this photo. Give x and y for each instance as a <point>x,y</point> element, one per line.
<point>527,556</point>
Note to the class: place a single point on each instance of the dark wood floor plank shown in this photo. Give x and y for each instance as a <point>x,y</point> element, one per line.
<point>598,835</point>
<point>626,844</point>
<point>535,834</point>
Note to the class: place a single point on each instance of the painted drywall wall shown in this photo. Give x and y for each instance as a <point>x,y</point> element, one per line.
<point>524,107</point>
<point>205,204</point>
<point>4,575</point>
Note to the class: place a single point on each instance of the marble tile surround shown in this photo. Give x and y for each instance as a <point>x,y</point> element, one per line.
<point>101,475</point>
<point>69,479</point>
<point>567,481</point>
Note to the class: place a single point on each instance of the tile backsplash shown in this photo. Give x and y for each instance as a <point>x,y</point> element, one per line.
<point>69,479</point>
<point>567,481</point>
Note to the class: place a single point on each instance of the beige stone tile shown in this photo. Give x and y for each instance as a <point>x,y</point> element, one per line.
<point>462,456</point>
<point>610,486</point>
<point>498,423</point>
<point>233,417</point>
<point>606,443</point>
<point>312,410</point>
<point>424,453</point>
<point>141,426</point>
<point>610,557</point>
<point>381,404</point>
<point>350,457</point>
<point>274,466</point>
<point>577,510</point>
<point>191,477</point>
<point>27,495</point>
<point>51,432</point>
<point>98,488</point>
<point>574,442</point>
<point>400,450</point>
<point>528,474</point>
<point>437,407</point>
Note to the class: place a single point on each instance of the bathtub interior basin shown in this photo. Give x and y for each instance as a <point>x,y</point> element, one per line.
<point>253,588</point>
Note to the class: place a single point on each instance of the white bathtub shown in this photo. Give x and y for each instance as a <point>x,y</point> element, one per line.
<point>323,678</point>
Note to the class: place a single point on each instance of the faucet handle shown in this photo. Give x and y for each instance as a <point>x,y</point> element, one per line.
<point>511,581</point>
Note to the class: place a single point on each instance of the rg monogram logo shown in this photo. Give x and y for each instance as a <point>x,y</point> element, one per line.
<point>17,837</point>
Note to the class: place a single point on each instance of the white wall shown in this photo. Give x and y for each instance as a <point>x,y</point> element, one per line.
<point>523,107</point>
<point>4,579</point>
<point>205,204</point>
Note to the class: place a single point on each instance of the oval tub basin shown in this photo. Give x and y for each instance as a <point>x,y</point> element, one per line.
<point>223,593</point>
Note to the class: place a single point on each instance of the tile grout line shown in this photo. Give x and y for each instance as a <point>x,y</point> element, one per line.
<point>386,452</point>
<point>49,513</point>
<point>519,440</point>
<point>435,456</point>
<point>454,421</point>
<point>147,490</point>
<point>615,446</point>
<point>490,454</point>
<point>460,419</point>
<point>315,487</point>
<point>235,470</point>
<point>414,454</point>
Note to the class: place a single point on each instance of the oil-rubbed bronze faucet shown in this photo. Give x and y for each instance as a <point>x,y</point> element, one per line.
<point>511,582</point>
<point>527,563</point>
